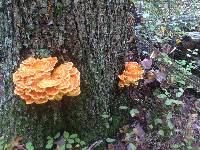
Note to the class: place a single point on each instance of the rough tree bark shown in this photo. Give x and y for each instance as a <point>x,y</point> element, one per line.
<point>90,33</point>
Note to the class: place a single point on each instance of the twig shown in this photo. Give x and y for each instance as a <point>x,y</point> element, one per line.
<point>95,144</point>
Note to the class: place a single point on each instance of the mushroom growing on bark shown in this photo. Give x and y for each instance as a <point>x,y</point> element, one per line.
<point>37,81</point>
<point>132,73</point>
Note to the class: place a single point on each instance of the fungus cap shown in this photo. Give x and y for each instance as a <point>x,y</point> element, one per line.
<point>37,81</point>
<point>130,76</point>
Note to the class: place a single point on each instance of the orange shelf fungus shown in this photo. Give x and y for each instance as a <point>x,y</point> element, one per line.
<point>132,73</point>
<point>37,81</point>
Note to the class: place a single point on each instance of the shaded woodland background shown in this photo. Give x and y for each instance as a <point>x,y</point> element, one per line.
<point>161,112</point>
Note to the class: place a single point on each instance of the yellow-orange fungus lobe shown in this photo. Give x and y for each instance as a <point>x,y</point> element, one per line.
<point>74,92</point>
<point>132,73</point>
<point>37,81</point>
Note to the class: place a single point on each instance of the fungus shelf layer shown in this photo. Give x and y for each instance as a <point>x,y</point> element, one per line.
<point>37,81</point>
<point>132,73</point>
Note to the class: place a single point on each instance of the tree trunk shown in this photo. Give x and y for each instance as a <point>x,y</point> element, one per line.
<point>91,34</point>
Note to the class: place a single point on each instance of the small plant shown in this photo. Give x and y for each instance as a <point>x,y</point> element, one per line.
<point>134,112</point>
<point>15,144</point>
<point>66,141</point>
<point>168,98</point>
<point>29,146</point>
<point>163,57</point>
<point>3,144</point>
<point>106,119</point>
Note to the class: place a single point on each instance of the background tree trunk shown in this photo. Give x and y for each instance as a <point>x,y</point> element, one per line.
<point>91,34</point>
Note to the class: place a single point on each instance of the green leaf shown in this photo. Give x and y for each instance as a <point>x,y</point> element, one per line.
<point>133,112</point>
<point>168,102</point>
<point>162,96</point>
<point>123,107</point>
<point>73,136</point>
<point>1,147</point>
<point>176,146</point>
<point>69,146</point>
<point>177,102</point>
<point>110,119</point>
<point>2,142</point>
<point>62,147</point>
<point>181,90</point>
<point>82,143</point>
<point>169,115</point>
<point>189,87</point>
<point>146,15</point>
<point>71,141</point>
<point>57,136</point>
<point>172,101</point>
<point>195,53</point>
<point>77,145</point>
<point>132,146</point>
<point>181,62</point>
<point>170,125</point>
<point>7,146</point>
<point>189,73</point>
<point>161,132</point>
<point>107,125</point>
<point>179,94</point>
<point>133,1</point>
<point>49,138</point>
<point>167,93</point>
<point>105,116</point>
<point>151,126</point>
<point>181,81</point>
<point>77,140</point>
<point>29,146</point>
<point>109,140</point>
<point>158,121</point>
<point>189,147</point>
<point>198,109</point>
<point>49,144</point>
<point>66,135</point>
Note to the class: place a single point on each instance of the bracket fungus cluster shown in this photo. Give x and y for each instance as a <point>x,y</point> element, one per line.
<point>132,73</point>
<point>37,81</point>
